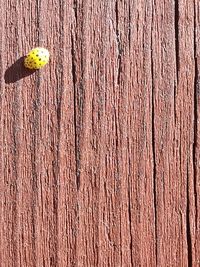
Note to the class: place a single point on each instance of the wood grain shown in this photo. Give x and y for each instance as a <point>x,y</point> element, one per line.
<point>100,149</point>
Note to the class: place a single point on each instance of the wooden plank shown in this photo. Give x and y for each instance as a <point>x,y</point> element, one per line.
<point>100,149</point>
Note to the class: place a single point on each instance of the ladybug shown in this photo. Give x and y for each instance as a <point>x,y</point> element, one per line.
<point>37,58</point>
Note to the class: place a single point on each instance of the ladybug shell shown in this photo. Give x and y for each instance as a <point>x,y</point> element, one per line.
<point>37,58</point>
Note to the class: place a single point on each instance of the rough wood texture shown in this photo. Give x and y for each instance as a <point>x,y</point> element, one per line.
<point>100,149</point>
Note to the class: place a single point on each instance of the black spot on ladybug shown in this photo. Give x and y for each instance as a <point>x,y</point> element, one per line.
<point>37,55</point>
<point>40,59</point>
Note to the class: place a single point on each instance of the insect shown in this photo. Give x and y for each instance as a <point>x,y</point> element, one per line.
<point>37,58</point>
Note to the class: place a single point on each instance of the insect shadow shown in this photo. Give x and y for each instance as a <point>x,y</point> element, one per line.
<point>17,71</point>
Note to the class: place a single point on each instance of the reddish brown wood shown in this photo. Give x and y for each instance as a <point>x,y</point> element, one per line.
<point>100,149</point>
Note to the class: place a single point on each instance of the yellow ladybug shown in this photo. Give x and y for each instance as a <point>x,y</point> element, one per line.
<point>37,58</point>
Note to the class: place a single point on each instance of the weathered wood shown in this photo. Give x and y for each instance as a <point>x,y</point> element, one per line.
<point>100,149</point>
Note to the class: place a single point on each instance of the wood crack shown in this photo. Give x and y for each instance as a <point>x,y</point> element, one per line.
<point>154,147</point>
<point>129,216</point>
<point>188,227</point>
<point>118,44</point>
<point>195,138</point>
<point>176,28</point>
<point>74,80</point>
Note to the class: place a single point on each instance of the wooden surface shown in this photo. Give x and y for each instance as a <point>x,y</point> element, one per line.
<point>100,149</point>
